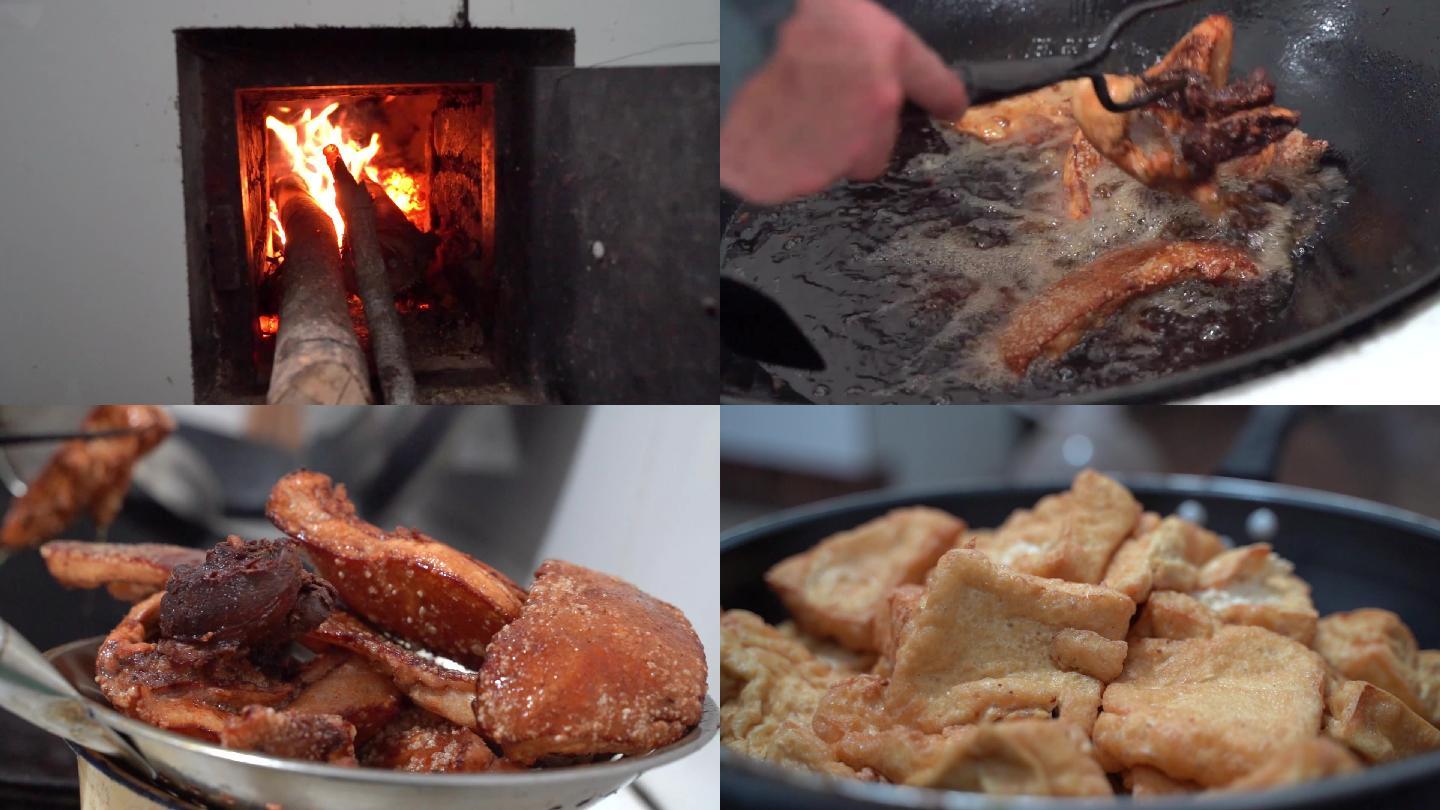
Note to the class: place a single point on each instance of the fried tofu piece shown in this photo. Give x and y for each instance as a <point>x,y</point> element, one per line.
<point>891,621</point>
<point>1374,645</point>
<point>1376,724</point>
<point>766,677</point>
<point>1308,760</point>
<point>985,640</point>
<point>835,588</point>
<point>593,666</point>
<point>1253,585</point>
<point>1069,535</point>
<point>1166,557</point>
<point>1427,669</point>
<point>843,659</point>
<point>1144,781</point>
<point>1025,756</point>
<point>1211,710</point>
<point>1174,615</point>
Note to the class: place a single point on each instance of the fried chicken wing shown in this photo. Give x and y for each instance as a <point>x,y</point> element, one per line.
<point>1166,557</point>
<point>1177,143</point>
<point>836,588</point>
<point>1374,645</point>
<point>1211,710</point>
<point>130,571</point>
<point>86,476</point>
<point>1071,535</point>
<point>324,738</point>
<point>433,686</point>
<point>1376,724</point>
<point>402,581</point>
<point>1306,761</point>
<point>421,742</point>
<point>988,642</point>
<point>593,666</point>
<point>1058,317</point>
<point>1254,585</point>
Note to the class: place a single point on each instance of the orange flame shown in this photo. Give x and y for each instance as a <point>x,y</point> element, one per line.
<point>304,143</point>
<point>269,324</point>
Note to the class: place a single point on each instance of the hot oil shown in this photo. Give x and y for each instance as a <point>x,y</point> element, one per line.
<point>903,283</point>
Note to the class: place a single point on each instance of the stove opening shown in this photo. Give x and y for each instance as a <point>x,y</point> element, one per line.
<point>425,157</point>
<point>431,126</point>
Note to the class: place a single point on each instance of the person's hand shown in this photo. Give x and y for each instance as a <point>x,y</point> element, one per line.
<point>827,104</point>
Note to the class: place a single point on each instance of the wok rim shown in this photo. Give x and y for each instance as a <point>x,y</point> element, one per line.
<point>754,774</point>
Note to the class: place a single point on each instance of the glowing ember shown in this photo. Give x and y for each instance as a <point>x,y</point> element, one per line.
<point>269,324</point>
<point>304,143</point>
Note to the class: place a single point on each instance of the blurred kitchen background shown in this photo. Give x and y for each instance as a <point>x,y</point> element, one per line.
<point>627,490</point>
<point>774,457</point>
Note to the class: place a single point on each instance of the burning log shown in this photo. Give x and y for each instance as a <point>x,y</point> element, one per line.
<point>317,358</point>
<point>396,379</point>
<point>407,249</point>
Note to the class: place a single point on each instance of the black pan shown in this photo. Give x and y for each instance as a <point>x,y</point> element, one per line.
<point>1354,553</point>
<point>1365,75</point>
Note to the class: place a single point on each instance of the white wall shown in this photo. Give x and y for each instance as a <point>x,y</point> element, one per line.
<point>641,503</point>
<point>93,294</point>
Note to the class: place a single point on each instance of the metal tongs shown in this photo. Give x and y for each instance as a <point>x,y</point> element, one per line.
<point>989,81</point>
<point>37,438</point>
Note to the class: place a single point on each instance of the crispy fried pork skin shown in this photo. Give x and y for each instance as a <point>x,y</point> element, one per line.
<point>131,571</point>
<point>254,594</point>
<point>90,476</point>
<point>447,692</point>
<point>188,688</point>
<point>1178,143</point>
<point>419,741</point>
<point>286,733</point>
<point>593,666</point>
<point>402,581</point>
<point>355,690</point>
<point>1052,322</point>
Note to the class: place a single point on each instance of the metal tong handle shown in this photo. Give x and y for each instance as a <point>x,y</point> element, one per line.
<point>33,690</point>
<point>992,80</point>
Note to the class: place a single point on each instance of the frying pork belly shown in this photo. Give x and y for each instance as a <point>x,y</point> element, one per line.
<point>86,476</point>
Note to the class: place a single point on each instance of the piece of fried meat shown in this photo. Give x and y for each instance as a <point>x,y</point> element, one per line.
<point>129,571</point>
<point>402,581</point>
<point>86,476</point>
<point>593,666</point>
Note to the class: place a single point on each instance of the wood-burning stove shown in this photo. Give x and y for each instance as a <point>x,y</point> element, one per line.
<point>544,228</point>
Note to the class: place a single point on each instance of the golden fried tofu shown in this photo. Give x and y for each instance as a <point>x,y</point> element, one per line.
<point>770,684</point>
<point>1306,761</point>
<point>1166,556</point>
<point>1144,781</point>
<point>836,588</point>
<point>1029,755</point>
<point>1373,645</point>
<point>1253,585</point>
<point>988,642</point>
<point>1174,615</point>
<point>843,659</point>
<point>1211,710</point>
<point>1427,669</point>
<point>891,621</point>
<point>1071,535</point>
<point>1376,724</point>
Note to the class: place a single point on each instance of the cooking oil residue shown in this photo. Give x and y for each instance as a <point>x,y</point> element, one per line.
<point>903,283</point>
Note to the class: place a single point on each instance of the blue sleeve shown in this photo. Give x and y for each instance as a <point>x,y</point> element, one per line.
<point>747,35</point>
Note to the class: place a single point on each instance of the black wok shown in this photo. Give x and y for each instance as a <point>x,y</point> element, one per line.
<point>1366,77</point>
<point>1354,553</point>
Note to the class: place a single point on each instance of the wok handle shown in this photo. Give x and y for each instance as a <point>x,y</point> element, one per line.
<point>34,691</point>
<point>1255,453</point>
<point>991,81</point>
